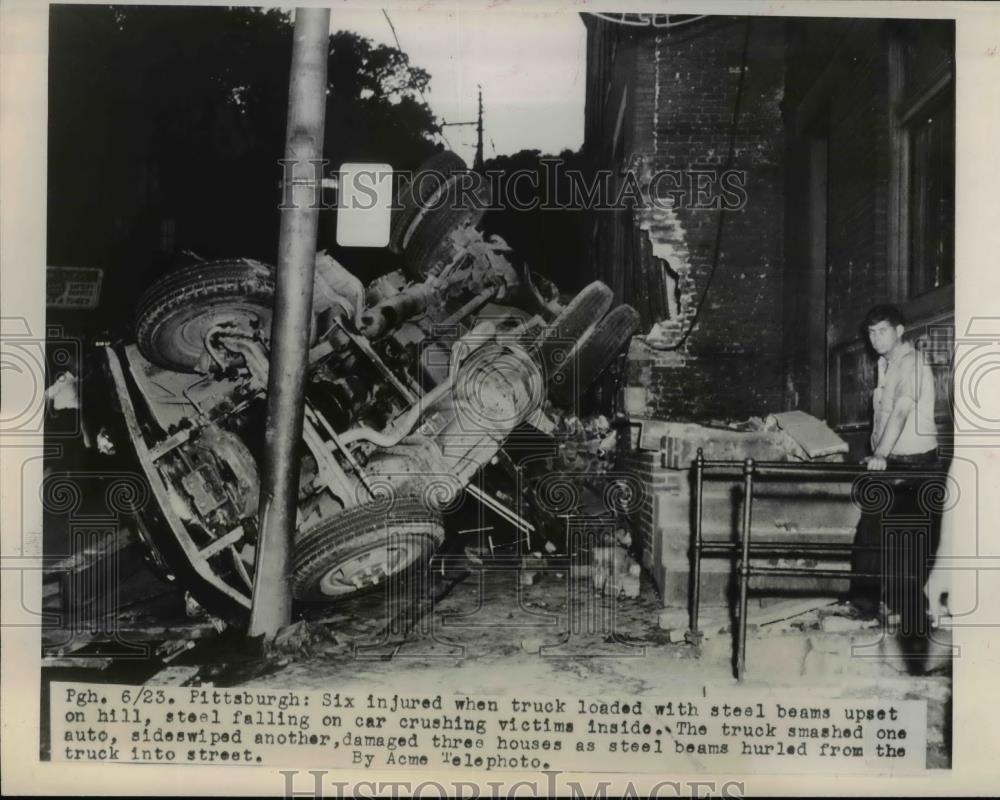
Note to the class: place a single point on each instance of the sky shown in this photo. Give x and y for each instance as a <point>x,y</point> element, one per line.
<point>531,64</point>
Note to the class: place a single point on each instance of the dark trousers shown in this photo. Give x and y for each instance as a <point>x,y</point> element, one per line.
<point>896,546</point>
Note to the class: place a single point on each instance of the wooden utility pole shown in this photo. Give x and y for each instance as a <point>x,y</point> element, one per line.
<point>271,606</point>
<point>478,163</point>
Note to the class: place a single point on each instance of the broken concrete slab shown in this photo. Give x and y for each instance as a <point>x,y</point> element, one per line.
<point>678,442</point>
<point>813,435</point>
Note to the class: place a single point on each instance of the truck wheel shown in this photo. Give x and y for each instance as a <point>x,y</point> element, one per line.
<point>429,244</point>
<point>594,354</point>
<point>177,311</point>
<point>413,194</point>
<point>359,548</point>
<point>559,340</point>
<point>426,244</point>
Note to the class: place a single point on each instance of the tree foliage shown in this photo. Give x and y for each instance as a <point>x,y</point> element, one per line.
<point>166,125</point>
<point>550,239</point>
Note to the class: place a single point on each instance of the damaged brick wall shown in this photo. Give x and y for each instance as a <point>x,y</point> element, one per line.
<point>666,104</point>
<point>674,93</point>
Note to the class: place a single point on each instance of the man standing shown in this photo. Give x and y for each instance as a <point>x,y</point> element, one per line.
<point>903,434</point>
<point>903,429</point>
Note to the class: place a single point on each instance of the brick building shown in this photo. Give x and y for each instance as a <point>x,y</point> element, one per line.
<point>811,167</point>
<point>662,101</point>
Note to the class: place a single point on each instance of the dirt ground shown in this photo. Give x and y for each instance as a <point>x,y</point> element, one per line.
<point>490,634</point>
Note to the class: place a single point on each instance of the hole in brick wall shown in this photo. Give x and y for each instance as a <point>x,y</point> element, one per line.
<point>671,290</point>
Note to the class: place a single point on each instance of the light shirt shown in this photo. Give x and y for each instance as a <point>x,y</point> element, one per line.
<point>905,375</point>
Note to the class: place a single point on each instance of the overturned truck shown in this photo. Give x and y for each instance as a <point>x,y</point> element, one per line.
<point>414,383</point>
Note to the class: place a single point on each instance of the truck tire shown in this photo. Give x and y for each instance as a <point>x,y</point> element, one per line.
<point>413,194</point>
<point>176,312</point>
<point>594,354</point>
<point>353,551</point>
<point>426,244</point>
<point>560,338</point>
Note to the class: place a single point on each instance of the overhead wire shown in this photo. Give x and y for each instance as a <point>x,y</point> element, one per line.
<point>423,97</point>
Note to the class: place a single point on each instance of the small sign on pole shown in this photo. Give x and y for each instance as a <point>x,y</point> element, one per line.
<point>364,200</point>
<point>73,287</point>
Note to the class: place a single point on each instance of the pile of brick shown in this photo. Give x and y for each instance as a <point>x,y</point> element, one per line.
<point>584,457</point>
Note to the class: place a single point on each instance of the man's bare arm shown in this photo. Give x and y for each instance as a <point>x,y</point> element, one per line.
<point>893,428</point>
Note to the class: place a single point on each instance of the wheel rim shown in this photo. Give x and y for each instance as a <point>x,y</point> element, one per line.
<point>369,567</point>
<point>181,337</point>
<point>498,387</point>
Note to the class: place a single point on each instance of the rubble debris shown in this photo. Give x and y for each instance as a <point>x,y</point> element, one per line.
<point>614,570</point>
<point>574,479</point>
<point>630,583</point>
<point>837,624</point>
<point>531,566</point>
<point>64,393</point>
<point>788,609</point>
<point>586,446</point>
<point>751,424</point>
<point>605,562</point>
<point>304,639</point>
<point>174,676</point>
<point>170,651</point>
<point>802,614</point>
<point>772,438</point>
<point>192,608</point>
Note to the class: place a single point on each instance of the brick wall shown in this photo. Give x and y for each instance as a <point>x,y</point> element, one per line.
<point>663,100</point>
<point>680,90</point>
<point>644,465</point>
